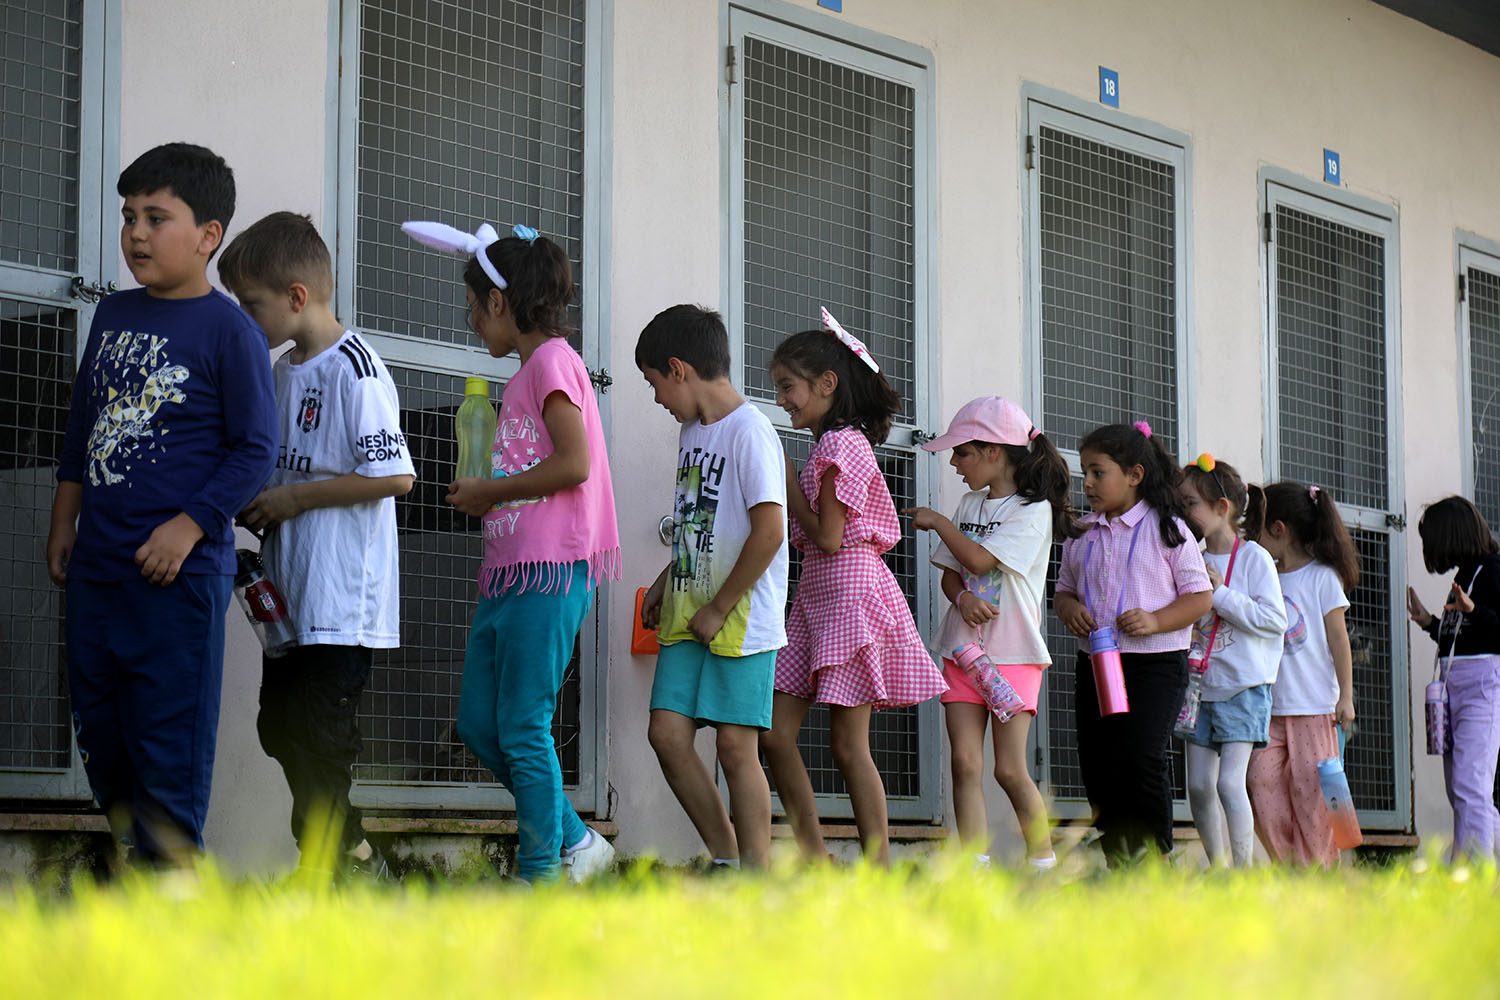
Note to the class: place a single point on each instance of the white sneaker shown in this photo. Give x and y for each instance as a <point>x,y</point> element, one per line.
<point>593,857</point>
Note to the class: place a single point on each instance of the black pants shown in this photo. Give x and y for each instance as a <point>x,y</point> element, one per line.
<point>1124,757</point>
<point>309,705</point>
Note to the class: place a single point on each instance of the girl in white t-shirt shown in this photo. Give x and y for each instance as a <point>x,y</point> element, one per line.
<point>1236,649</point>
<point>994,554</point>
<point>1314,689</point>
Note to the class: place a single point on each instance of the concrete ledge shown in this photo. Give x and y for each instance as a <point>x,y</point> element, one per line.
<point>900,832</point>
<point>44,822</point>
<point>502,826</point>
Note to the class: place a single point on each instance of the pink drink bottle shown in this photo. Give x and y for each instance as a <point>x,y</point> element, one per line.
<point>1439,734</point>
<point>1109,675</point>
<point>998,694</point>
<point>1341,812</point>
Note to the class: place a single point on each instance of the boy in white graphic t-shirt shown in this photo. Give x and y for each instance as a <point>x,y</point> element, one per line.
<point>329,517</point>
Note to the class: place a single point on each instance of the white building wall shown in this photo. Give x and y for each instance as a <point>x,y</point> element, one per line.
<point>1410,110</point>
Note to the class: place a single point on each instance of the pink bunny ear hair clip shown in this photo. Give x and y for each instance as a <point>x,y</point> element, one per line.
<point>441,236</point>
<point>848,339</point>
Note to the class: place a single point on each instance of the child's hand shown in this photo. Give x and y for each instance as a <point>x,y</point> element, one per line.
<point>1416,609</point>
<point>163,554</point>
<point>1215,577</point>
<point>468,495</point>
<point>277,504</point>
<point>1343,712</point>
<point>651,605</point>
<point>975,611</point>
<point>1459,601</point>
<point>60,542</point>
<point>706,623</point>
<point>1138,622</point>
<point>1075,616</point>
<point>924,518</point>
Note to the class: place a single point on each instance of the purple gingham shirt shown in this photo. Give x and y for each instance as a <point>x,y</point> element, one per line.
<point>1158,575</point>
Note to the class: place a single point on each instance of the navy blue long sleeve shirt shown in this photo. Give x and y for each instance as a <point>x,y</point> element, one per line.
<point>173,412</point>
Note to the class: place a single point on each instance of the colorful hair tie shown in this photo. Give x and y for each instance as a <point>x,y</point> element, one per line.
<point>848,339</point>
<point>1312,493</point>
<point>1143,427</point>
<point>1207,464</point>
<point>525,232</point>
<point>441,236</point>
<point>1033,433</point>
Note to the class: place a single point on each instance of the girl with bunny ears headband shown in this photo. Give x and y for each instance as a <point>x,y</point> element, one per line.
<point>529,275</point>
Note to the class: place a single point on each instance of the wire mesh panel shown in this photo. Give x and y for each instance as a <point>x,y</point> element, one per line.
<point>1370,759</point>
<point>1331,357</point>
<point>894,732</point>
<point>40,64</point>
<point>1482,290</point>
<point>411,708</point>
<point>1109,293</point>
<point>36,379</point>
<point>829,210</point>
<point>468,113</point>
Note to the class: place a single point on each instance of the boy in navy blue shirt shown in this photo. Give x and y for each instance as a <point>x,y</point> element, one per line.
<point>172,431</point>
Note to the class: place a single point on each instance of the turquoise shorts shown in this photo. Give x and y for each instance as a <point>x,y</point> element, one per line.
<point>1245,718</point>
<point>712,689</point>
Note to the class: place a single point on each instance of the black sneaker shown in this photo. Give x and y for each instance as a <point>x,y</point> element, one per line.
<point>373,869</point>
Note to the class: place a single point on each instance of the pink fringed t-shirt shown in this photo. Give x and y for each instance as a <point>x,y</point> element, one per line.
<point>529,543</point>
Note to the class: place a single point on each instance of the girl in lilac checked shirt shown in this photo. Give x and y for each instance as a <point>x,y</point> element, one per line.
<point>851,641</point>
<point>1138,555</point>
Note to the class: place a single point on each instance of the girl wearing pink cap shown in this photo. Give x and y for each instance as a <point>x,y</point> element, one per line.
<point>993,554</point>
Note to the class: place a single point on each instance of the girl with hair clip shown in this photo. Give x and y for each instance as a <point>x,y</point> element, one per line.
<point>994,555</point>
<point>1456,539</point>
<point>549,537</point>
<point>851,641</point>
<point>1136,554</point>
<point>1314,689</point>
<point>1236,649</point>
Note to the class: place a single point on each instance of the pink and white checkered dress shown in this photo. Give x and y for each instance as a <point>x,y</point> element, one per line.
<point>850,635</point>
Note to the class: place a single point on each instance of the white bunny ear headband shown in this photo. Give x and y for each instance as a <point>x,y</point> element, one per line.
<point>442,236</point>
<point>848,339</point>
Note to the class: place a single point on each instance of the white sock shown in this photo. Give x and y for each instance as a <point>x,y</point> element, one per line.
<point>1235,799</point>
<point>981,861</point>
<point>727,862</point>
<point>1043,864</point>
<point>580,845</point>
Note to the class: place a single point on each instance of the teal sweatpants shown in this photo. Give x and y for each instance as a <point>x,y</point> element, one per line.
<point>519,646</point>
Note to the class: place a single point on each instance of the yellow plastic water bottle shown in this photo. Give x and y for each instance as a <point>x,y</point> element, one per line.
<point>475,427</point>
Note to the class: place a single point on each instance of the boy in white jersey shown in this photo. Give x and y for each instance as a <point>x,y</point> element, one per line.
<point>329,517</point>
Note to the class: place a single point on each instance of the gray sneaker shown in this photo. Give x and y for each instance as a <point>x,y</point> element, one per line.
<point>594,857</point>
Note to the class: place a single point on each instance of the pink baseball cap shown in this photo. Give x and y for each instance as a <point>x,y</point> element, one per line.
<point>992,419</point>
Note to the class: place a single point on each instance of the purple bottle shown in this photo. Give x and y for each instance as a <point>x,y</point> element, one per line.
<point>1439,732</point>
<point>999,696</point>
<point>1109,675</point>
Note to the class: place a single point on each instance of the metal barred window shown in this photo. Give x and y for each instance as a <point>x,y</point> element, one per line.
<point>1332,329</point>
<point>408,715</point>
<point>468,113</point>
<point>1108,287</point>
<point>1482,316</point>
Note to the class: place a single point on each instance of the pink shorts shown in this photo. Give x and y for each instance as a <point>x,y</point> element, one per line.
<point>1026,678</point>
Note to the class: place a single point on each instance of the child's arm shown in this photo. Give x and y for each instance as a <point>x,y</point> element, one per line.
<point>566,467</point>
<point>767,529</point>
<point>651,605</point>
<point>282,503</point>
<point>975,610</point>
<point>974,557</point>
<point>1073,613</point>
<point>1181,613</point>
<point>66,506</point>
<point>1259,608</point>
<point>1343,664</point>
<point>824,526</point>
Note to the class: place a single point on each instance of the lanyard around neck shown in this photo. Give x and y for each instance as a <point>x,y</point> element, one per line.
<point>1088,560</point>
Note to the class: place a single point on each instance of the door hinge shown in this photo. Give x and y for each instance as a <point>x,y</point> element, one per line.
<point>1397,521</point>
<point>1461,290</point>
<point>1268,227</point>
<point>729,66</point>
<point>1030,153</point>
<point>601,379</point>
<point>920,438</point>
<point>90,292</point>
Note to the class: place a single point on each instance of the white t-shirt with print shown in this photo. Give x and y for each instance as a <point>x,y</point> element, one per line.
<point>1306,683</point>
<point>337,566</point>
<point>723,469</point>
<point>1252,620</point>
<point>1019,535</point>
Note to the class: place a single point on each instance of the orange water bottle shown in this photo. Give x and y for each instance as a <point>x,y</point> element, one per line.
<point>1346,832</point>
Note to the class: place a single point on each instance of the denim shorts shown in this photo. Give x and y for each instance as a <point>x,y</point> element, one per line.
<point>1245,718</point>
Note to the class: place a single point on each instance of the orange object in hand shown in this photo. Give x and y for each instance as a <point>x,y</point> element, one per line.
<point>642,642</point>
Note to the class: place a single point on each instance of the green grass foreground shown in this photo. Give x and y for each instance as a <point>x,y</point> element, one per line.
<point>938,929</point>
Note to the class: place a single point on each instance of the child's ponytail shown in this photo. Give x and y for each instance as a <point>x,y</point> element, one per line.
<point>1254,521</point>
<point>1042,474</point>
<point>1314,520</point>
<point>1129,445</point>
<point>863,399</point>
<point>538,281</point>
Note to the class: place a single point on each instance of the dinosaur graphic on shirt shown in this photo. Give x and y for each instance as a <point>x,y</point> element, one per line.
<point>125,421</point>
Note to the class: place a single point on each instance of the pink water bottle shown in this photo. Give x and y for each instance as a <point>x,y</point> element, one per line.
<point>999,696</point>
<point>1109,675</point>
<point>263,604</point>
<point>1346,833</point>
<point>1439,733</point>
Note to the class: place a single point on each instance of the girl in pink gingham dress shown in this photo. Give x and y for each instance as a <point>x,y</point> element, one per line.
<point>851,641</point>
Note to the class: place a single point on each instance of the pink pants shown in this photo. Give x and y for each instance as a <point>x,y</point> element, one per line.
<point>1291,817</point>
